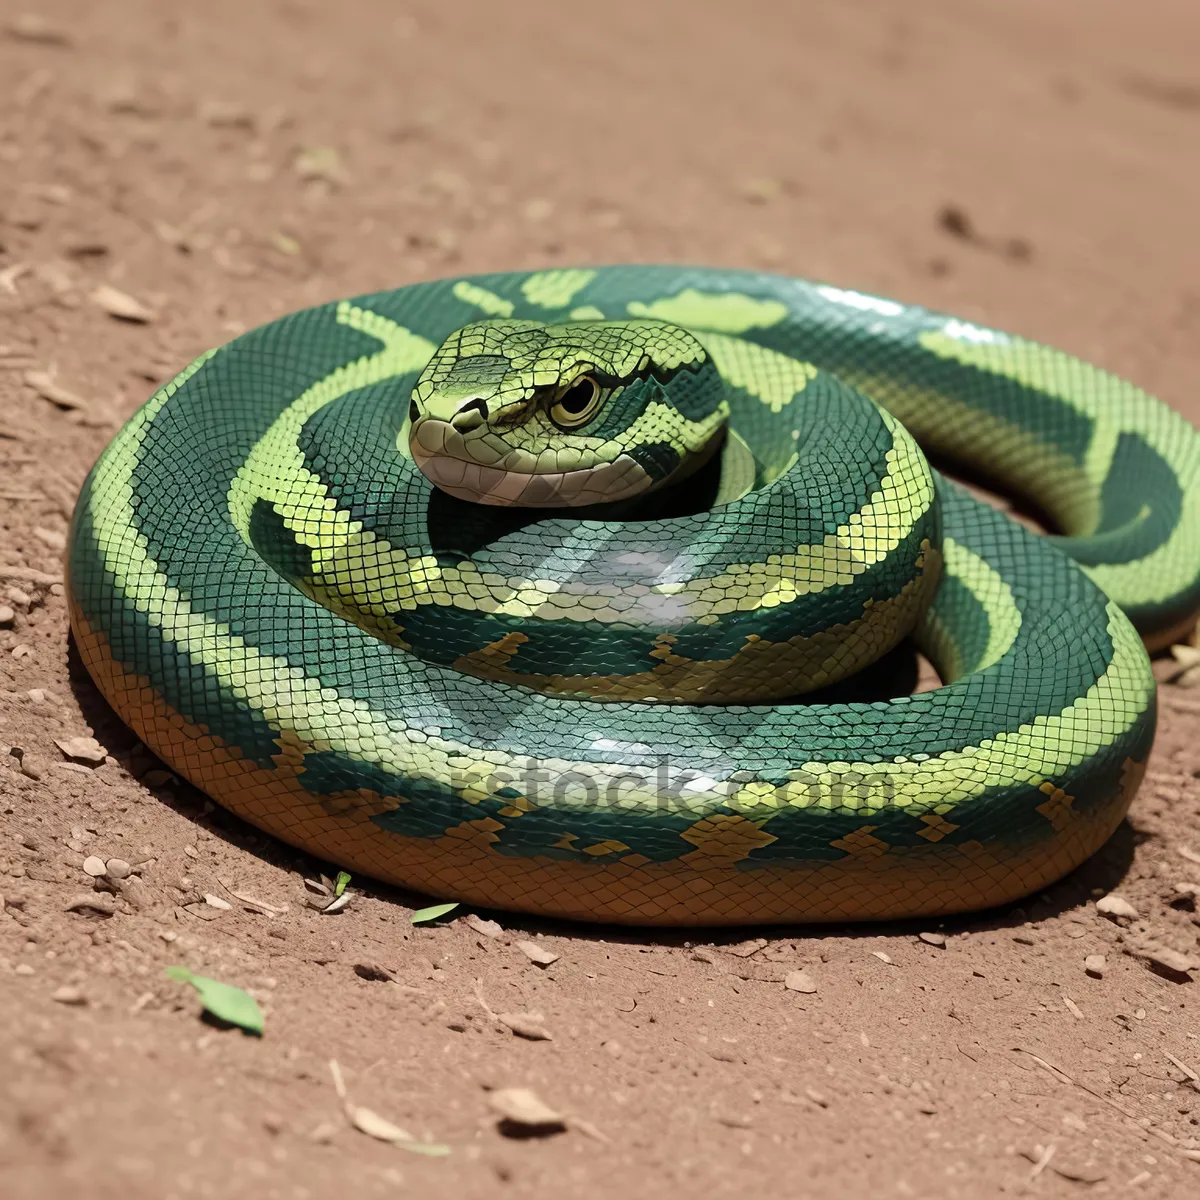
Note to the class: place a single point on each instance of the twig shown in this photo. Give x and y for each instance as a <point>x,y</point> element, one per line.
<point>28,575</point>
<point>10,275</point>
<point>487,1008</point>
<point>1043,1161</point>
<point>1063,1077</point>
<point>1192,1078</point>
<point>339,1084</point>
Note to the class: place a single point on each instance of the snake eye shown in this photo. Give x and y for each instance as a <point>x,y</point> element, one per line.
<point>577,405</point>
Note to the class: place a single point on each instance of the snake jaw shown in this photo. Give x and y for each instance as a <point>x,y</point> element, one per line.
<point>484,468</point>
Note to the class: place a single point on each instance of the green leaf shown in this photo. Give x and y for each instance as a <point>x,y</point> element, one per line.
<point>343,878</point>
<point>424,915</point>
<point>223,1000</point>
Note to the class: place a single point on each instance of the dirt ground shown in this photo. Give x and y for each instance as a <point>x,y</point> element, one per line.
<point>1020,163</point>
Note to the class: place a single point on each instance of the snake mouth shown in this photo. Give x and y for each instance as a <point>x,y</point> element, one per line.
<point>466,479</point>
<point>473,468</point>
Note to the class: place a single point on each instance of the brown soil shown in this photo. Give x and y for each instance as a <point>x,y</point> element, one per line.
<point>1027,164</point>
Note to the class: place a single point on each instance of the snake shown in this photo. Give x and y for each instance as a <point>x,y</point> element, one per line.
<point>593,593</point>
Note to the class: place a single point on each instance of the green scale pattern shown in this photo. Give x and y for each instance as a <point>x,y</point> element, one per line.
<point>213,578</point>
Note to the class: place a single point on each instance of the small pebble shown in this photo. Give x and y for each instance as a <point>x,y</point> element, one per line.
<point>525,1110</point>
<point>23,969</point>
<point>7,616</point>
<point>85,749</point>
<point>1115,906</point>
<point>324,1133</point>
<point>217,902</point>
<point>94,866</point>
<point>373,972</point>
<point>117,868</point>
<point>531,1026</point>
<point>1094,965</point>
<point>800,981</point>
<point>1173,963</point>
<point>69,995</point>
<point>934,939</point>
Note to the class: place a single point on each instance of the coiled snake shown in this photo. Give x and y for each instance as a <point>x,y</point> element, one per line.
<point>512,589</point>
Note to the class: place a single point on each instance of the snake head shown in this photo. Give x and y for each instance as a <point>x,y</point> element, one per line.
<point>521,413</point>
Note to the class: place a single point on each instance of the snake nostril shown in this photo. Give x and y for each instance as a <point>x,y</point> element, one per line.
<point>470,416</point>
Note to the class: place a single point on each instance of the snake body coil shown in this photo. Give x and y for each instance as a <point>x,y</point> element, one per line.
<point>513,589</point>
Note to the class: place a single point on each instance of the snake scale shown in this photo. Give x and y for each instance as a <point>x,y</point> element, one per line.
<point>544,591</point>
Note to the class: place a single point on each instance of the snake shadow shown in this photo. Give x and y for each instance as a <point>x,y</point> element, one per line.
<point>896,674</point>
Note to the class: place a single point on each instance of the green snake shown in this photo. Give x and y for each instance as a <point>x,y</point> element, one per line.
<point>550,592</point>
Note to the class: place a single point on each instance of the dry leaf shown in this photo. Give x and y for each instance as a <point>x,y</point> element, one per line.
<point>1185,656</point>
<point>525,1108</point>
<point>320,162</point>
<point>253,902</point>
<point>483,925</point>
<point>285,244</point>
<point>48,388</point>
<point>372,1124</point>
<point>121,305</point>
<point>537,954</point>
